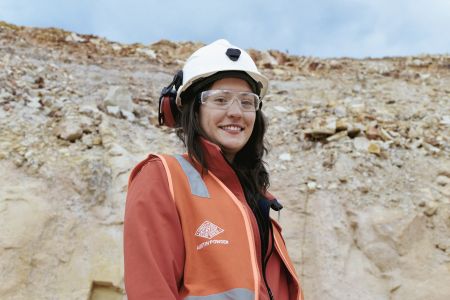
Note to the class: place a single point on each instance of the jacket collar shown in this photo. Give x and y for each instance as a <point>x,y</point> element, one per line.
<point>221,168</point>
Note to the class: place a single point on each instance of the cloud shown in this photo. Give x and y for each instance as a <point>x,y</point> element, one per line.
<point>324,28</point>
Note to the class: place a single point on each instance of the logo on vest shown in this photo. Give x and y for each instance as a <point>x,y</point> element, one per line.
<point>208,230</point>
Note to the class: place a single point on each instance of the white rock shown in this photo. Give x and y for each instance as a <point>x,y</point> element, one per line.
<point>431,208</point>
<point>340,111</point>
<point>361,143</point>
<point>431,148</point>
<point>69,130</point>
<point>34,102</point>
<point>88,110</point>
<point>128,115</point>
<point>96,41</point>
<point>333,186</point>
<point>116,47</point>
<point>119,96</point>
<point>87,140</point>
<point>443,180</point>
<point>285,157</point>
<point>268,59</point>
<point>312,185</point>
<point>148,52</point>
<point>281,109</point>
<point>113,110</point>
<point>445,120</point>
<point>74,38</point>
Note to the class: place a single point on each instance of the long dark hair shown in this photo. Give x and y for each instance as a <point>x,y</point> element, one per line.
<point>248,162</point>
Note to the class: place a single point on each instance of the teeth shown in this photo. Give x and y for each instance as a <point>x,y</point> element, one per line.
<point>233,128</point>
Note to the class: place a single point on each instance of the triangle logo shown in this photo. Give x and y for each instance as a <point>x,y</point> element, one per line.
<point>208,230</point>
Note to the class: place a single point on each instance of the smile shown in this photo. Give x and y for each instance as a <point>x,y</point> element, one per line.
<point>233,128</point>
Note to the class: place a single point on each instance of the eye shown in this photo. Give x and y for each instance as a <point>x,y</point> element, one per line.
<point>248,102</point>
<point>219,100</point>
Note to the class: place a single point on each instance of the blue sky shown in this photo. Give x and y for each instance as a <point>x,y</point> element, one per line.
<point>323,28</point>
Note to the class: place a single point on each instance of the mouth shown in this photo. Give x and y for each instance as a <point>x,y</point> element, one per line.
<point>232,128</point>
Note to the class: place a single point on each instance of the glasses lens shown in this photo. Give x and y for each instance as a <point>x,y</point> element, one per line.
<point>222,99</point>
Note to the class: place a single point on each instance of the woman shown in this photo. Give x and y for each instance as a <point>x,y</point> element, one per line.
<point>197,225</point>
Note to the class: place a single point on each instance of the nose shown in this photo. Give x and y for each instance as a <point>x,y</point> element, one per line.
<point>235,108</point>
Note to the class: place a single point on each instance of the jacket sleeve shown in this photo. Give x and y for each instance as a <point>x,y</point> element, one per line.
<point>153,240</point>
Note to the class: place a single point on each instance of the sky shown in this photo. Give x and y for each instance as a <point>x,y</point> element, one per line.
<point>321,28</point>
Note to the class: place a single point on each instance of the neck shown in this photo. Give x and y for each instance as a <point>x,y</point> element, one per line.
<point>229,157</point>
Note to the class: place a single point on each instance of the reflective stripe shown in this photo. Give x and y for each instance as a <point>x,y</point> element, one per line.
<point>234,294</point>
<point>169,175</point>
<point>198,187</point>
<point>250,236</point>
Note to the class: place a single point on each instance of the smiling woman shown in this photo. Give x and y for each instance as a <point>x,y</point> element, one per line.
<point>228,125</point>
<point>197,225</point>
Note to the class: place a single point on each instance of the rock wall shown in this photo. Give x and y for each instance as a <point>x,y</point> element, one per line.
<point>359,158</point>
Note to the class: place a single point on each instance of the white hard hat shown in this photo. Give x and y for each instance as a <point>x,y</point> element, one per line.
<point>219,56</point>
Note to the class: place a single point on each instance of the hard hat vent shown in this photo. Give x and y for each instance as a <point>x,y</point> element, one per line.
<point>233,53</point>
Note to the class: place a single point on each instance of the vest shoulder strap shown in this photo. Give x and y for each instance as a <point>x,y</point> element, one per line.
<point>177,163</point>
<point>196,183</point>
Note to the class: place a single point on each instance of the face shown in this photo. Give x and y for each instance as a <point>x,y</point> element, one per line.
<point>229,129</point>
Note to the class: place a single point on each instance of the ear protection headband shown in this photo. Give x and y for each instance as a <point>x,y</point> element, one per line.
<point>168,112</point>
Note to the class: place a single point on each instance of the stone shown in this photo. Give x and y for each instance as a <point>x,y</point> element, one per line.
<point>385,135</point>
<point>430,148</point>
<point>128,115</point>
<point>353,131</point>
<point>443,180</point>
<point>445,120</point>
<point>69,130</point>
<point>342,124</point>
<point>119,96</point>
<point>147,52</point>
<point>74,38</point>
<point>267,60</point>
<point>34,102</point>
<point>87,139</point>
<point>312,185</point>
<point>430,208</point>
<point>340,111</point>
<point>114,111</point>
<point>281,109</point>
<point>116,47</point>
<point>372,132</point>
<point>374,148</point>
<point>285,157</point>
<point>91,111</point>
<point>322,128</point>
<point>361,144</point>
<point>337,136</point>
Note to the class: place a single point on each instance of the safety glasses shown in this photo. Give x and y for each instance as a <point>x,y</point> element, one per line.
<point>223,99</point>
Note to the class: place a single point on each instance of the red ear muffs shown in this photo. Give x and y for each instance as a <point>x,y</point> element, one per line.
<point>168,113</point>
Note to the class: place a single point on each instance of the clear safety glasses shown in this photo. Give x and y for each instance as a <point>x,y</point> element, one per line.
<point>223,99</point>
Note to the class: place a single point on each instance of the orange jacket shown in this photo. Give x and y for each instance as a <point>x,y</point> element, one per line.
<point>191,235</point>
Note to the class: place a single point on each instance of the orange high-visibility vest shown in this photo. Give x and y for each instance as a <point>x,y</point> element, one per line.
<point>221,260</point>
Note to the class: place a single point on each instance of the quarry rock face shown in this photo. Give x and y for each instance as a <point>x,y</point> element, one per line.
<point>359,157</point>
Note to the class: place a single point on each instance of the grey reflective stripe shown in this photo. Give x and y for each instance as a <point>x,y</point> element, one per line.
<point>196,183</point>
<point>234,294</point>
